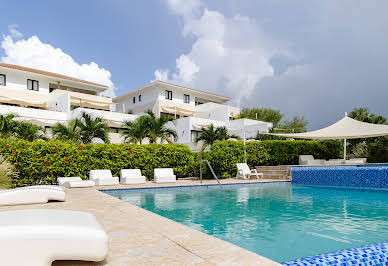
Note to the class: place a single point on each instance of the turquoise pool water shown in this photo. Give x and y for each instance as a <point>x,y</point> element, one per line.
<point>280,221</point>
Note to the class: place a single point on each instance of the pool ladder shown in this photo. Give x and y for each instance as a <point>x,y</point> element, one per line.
<point>211,169</point>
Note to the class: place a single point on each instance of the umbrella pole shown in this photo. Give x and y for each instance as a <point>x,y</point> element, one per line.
<point>344,149</point>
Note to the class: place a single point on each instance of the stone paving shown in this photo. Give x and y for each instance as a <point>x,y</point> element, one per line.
<point>140,237</point>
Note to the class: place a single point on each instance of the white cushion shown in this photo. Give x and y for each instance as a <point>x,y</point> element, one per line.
<point>54,187</point>
<point>48,235</point>
<point>306,159</point>
<point>30,196</point>
<point>131,176</point>
<point>103,177</point>
<point>74,182</point>
<point>164,175</point>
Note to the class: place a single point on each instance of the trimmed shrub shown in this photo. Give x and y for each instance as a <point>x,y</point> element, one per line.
<point>225,154</point>
<point>42,162</point>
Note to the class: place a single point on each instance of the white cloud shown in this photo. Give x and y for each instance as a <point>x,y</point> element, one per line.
<point>33,53</point>
<point>14,32</point>
<point>229,55</point>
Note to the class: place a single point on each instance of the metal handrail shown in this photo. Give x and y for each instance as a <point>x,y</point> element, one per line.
<point>211,169</point>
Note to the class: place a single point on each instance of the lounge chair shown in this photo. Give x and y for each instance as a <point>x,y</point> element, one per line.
<point>39,237</point>
<point>164,175</point>
<point>30,195</point>
<point>73,182</point>
<point>54,187</point>
<point>131,176</point>
<point>335,162</point>
<point>356,161</point>
<point>103,178</point>
<point>306,159</point>
<point>244,172</point>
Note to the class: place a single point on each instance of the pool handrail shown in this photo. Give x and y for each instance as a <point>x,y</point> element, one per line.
<point>211,169</point>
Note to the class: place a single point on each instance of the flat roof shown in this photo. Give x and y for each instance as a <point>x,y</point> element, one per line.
<point>51,74</point>
<point>225,98</point>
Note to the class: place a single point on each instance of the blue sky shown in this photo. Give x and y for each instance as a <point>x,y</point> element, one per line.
<point>304,57</point>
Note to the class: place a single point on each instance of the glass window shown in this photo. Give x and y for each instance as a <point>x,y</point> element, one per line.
<point>140,98</point>
<point>134,100</point>
<point>186,98</point>
<point>32,85</point>
<point>194,135</point>
<point>168,95</point>
<point>3,80</point>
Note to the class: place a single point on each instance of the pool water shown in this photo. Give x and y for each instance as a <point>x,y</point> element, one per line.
<point>281,221</point>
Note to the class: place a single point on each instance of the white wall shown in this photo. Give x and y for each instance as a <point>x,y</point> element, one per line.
<point>250,126</point>
<point>17,80</point>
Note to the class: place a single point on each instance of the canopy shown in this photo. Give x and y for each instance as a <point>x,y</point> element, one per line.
<point>23,97</point>
<point>346,128</point>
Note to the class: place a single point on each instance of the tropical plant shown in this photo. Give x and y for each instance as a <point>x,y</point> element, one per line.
<point>7,125</point>
<point>136,131</point>
<point>212,134</point>
<point>92,127</point>
<point>263,114</point>
<point>296,125</point>
<point>7,173</point>
<point>30,132</point>
<point>70,131</point>
<point>363,114</point>
<point>157,128</point>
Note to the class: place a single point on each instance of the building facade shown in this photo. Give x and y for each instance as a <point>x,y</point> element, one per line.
<point>46,98</point>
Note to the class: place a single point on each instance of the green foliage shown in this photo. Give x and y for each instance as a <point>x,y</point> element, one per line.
<point>29,132</point>
<point>296,125</point>
<point>263,114</point>
<point>224,155</point>
<point>91,127</point>
<point>375,149</point>
<point>150,127</point>
<point>7,174</point>
<point>42,162</point>
<point>67,132</point>
<point>211,134</point>
<point>7,125</point>
<point>157,128</point>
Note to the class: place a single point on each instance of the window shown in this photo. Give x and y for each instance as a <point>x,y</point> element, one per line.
<point>134,100</point>
<point>168,95</point>
<point>3,80</point>
<point>194,135</point>
<point>140,98</point>
<point>32,85</point>
<point>186,98</point>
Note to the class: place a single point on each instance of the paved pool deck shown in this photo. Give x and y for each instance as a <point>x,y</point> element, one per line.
<point>140,237</point>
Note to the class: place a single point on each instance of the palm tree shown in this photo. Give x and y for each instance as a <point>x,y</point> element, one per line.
<point>30,132</point>
<point>7,125</point>
<point>136,131</point>
<point>212,134</point>
<point>92,128</point>
<point>157,128</point>
<point>67,132</point>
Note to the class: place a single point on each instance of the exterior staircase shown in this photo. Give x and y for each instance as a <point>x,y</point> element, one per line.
<point>280,172</point>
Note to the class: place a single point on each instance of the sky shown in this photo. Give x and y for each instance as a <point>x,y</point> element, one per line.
<point>314,58</point>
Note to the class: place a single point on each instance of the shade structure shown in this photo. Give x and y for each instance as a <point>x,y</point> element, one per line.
<point>346,128</point>
<point>23,98</point>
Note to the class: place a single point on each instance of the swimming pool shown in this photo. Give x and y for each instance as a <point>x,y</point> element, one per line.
<point>281,221</point>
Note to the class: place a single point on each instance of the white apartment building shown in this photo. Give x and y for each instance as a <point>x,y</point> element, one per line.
<point>45,98</point>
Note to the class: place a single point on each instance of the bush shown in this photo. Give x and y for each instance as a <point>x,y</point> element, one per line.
<point>42,162</point>
<point>225,154</point>
<point>7,174</point>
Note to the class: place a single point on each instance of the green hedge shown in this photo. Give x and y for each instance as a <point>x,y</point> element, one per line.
<point>224,155</point>
<point>42,162</point>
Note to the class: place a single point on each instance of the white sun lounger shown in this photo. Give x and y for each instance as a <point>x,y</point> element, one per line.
<point>103,178</point>
<point>164,175</point>
<point>244,172</point>
<point>54,187</point>
<point>30,195</point>
<point>131,176</point>
<point>39,237</point>
<point>73,182</point>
